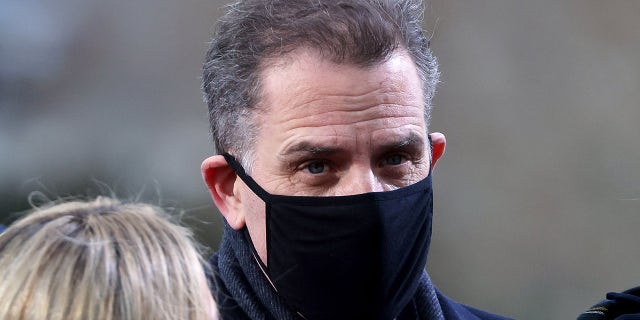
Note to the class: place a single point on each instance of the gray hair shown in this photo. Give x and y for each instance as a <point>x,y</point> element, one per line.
<point>357,32</point>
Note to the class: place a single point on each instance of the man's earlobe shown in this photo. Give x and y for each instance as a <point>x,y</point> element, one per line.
<point>438,143</point>
<point>220,180</point>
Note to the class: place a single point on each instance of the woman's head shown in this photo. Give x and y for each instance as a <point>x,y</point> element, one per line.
<point>102,259</point>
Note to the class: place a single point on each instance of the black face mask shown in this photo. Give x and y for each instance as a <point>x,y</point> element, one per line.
<point>346,257</point>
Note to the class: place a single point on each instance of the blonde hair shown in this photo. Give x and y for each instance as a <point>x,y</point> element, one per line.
<point>102,259</point>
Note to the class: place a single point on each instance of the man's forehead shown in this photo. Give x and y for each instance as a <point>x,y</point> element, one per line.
<point>313,58</point>
<point>307,71</point>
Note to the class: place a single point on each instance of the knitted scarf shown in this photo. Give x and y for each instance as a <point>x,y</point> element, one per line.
<point>243,292</point>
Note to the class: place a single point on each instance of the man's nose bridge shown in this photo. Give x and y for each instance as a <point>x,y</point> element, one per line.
<point>362,180</point>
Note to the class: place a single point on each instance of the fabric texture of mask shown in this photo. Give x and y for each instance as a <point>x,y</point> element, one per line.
<point>346,257</point>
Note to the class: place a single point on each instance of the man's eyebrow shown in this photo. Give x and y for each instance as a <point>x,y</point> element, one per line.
<point>412,140</point>
<point>311,148</point>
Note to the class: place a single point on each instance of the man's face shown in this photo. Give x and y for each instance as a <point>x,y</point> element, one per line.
<point>328,129</point>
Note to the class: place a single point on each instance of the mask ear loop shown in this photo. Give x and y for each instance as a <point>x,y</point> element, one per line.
<point>263,268</point>
<point>262,194</point>
<point>239,170</point>
<point>430,153</point>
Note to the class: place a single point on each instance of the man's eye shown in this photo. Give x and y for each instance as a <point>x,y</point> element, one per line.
<point>316,167</point>
<point>394,160</point>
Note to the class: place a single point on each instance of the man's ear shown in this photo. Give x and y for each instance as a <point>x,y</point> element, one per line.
<point>220,180</point>
<point>438,143</point>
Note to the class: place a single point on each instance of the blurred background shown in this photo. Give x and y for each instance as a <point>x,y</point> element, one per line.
<point>537,198</point>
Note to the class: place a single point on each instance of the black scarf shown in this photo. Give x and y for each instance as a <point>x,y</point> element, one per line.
<point>243,292</point>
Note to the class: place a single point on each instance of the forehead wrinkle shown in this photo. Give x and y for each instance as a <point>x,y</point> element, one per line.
<point>353,101</point>
<point>386,115</point>
<point>309,90</point>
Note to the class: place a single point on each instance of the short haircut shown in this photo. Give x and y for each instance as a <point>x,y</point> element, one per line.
<point>102,259</point>
<point>358,32</point>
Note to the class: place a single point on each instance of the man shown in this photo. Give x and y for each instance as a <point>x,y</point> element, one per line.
<point>319,113</point>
